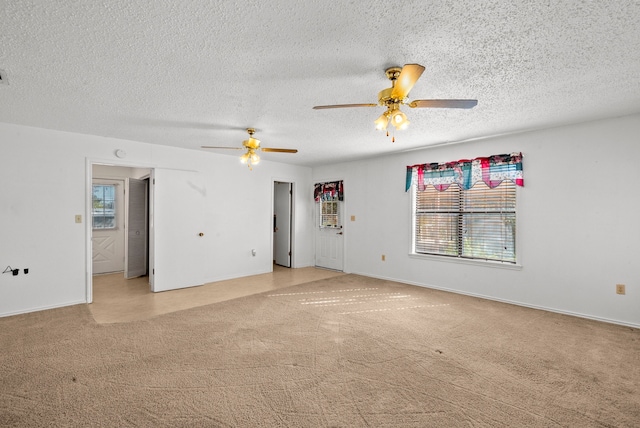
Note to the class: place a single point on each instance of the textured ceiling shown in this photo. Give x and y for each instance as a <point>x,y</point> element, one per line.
<point>199,72</point>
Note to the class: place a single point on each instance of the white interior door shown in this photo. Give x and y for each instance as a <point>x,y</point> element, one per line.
<point>177,230</point>
<point>282,230</point>
<point>107,217</point>
<point>135,249</point>
<point>329,235</point>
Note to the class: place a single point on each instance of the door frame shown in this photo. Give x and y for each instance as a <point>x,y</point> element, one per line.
<point>89,162</point>
<point>292,214</point>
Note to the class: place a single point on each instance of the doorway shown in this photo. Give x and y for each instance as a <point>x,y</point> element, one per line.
<point>118,222</point>
<point>282,222</point>
<point>175,236</point>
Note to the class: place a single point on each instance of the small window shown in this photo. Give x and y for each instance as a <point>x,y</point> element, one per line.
<point>478,223</point>
<point>104,206</point>
<point>329,214</point>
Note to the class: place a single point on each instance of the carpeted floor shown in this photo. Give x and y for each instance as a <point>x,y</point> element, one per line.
<point>342,352</point>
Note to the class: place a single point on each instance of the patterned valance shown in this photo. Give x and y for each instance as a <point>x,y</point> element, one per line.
<point>331,191</point>
<point>492,170</point>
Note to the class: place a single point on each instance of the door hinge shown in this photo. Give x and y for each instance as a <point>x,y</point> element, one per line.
<point>289,253</point>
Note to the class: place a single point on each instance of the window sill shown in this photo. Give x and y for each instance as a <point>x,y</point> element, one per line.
<point>483,263</point>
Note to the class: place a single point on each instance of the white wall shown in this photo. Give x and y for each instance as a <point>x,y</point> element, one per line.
<point>575,242</point>
<point>578,230</point>
<point>44,185</point>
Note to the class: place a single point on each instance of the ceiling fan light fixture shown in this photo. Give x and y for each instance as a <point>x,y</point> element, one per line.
<point>250,158</point>
<point>245,158</point>
<point>254,158</point>
<point>399,120</point>
<point>382,121</point>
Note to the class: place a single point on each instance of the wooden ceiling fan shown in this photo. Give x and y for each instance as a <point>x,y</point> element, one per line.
<point>402,81</point>
<point>251,145</point>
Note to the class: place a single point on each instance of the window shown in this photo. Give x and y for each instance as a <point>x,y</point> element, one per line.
<point>477,223</point>
<point>103,210</point>
<point>329,214</point>
<point>328,197</point>
<point>466,208</point>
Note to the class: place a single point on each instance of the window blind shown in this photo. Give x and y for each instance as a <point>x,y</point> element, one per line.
<point>477,223</point>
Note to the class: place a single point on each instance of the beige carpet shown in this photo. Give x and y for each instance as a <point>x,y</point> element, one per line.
<point>342,352</point>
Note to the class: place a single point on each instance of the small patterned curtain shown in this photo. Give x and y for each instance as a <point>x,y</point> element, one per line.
<point>492,170</point>
<point>331,191</point>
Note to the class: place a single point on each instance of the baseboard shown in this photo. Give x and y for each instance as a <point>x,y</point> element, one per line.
<point>228,277</point>
<point>41,308</point>
<point>511,302</point>
<point>329,269</point>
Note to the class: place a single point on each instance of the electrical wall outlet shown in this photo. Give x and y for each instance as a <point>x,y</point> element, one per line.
<point>620,289</point>
<point>78,218</point>
<point>353,218</point>
<point>384,257</point>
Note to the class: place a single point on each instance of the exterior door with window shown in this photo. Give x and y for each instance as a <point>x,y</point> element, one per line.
<point>329,235</point>
<point>107,217</point>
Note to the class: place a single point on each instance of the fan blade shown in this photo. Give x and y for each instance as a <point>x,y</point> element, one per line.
<point>217,147</point>
<point>344,106</point>
<point>443,103</point>
<point>408,77</point>
<point>265,149</point>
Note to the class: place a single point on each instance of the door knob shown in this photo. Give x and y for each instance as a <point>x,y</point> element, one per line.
<point>200,234</point>
<point>339,233</point>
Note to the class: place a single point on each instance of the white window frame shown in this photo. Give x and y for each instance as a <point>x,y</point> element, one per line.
<point>116,208</point>
<point>323,217</point>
